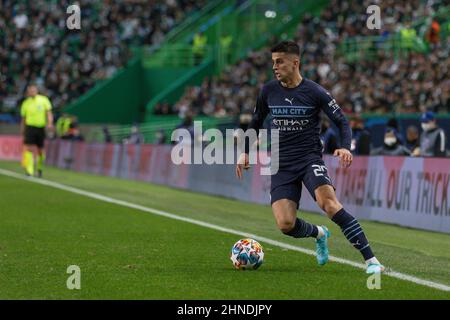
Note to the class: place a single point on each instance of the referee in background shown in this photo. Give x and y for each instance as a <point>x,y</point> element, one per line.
<point>36,112</point>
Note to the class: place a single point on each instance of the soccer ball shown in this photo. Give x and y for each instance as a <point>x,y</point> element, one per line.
<point>247,254</point>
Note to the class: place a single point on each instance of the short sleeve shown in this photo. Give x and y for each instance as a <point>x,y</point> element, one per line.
<point>48,104</point>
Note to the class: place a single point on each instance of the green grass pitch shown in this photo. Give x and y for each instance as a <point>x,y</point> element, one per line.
<point>126,253</point>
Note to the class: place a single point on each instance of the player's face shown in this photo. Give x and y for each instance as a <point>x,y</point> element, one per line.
<point>284,65</point>
<point>32,91</point>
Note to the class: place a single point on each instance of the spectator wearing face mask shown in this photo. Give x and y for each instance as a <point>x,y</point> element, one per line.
<point>432,139</point>
<point>393,124</point>
<point>391,145</point>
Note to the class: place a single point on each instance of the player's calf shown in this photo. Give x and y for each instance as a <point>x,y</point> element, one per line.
<point>285,213</point>
<point>354,233</point>
<point>39,163</point>
<point>329,205</point>
<point>285,224</point>
<point>29,163</point>
<point>350,227</point>
<point>302,229</point>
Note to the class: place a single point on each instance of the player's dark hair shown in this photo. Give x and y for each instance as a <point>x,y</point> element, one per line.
<point>287,47</point>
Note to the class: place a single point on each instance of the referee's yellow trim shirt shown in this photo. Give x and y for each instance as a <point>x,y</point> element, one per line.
<point>34,110</point>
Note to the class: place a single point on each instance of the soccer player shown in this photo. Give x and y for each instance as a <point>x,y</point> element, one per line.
<point>36,115</point>
<point>294,104</point>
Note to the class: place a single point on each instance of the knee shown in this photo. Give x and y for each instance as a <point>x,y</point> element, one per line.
<point>330,206</point>
<point>285,225</point>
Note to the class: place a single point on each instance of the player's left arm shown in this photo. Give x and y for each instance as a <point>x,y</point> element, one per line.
<point>329,105</point>
<point>23,113</point>
<point>49,114</point>
<point>50,119</point>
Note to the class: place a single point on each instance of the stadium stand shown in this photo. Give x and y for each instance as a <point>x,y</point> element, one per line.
<point>372,83</point>
<point>35,47</point>
<point>365,69</point>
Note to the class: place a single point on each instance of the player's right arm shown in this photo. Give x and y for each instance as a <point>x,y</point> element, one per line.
<point>259,115</point>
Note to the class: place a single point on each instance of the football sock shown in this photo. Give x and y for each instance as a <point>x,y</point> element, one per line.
<point>29,162</point>
<point>372,261</point>
<point>24,160</point>
<point>40,161</point>
<point>353,232</point>
<point>320,233</point>
<point>303,229</point>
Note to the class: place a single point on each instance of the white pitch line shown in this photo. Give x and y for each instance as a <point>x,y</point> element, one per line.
<point>100,197</point>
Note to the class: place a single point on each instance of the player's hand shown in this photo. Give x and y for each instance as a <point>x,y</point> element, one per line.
<point>242,163</point>
<point>345,157</point>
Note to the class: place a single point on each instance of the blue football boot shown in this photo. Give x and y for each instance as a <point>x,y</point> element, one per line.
<point>322,247</point>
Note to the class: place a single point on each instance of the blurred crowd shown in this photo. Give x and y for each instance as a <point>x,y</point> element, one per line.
<point>232,93</point>
<point>430,140</point>
<point>36,46</point>
<point>414,83</point>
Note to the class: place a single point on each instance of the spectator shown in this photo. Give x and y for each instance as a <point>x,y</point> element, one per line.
<point>63,124</point>
<point>225,47</point>
<point>391,145</point>
<point>199,47</point>
<point>160,137</point>
<point>412,140</point>
<point>432,35</point>
<point>360,137</point>
<point>432,139</point>
<point>329,137</point>
<point>381,84</point>
<point>106,135</point>
<point>392,123</point>
<point>187,124</point>
<point>35,45</point>
<point>135,136</point>
<point>407,36</point>
<point>73,133</point>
